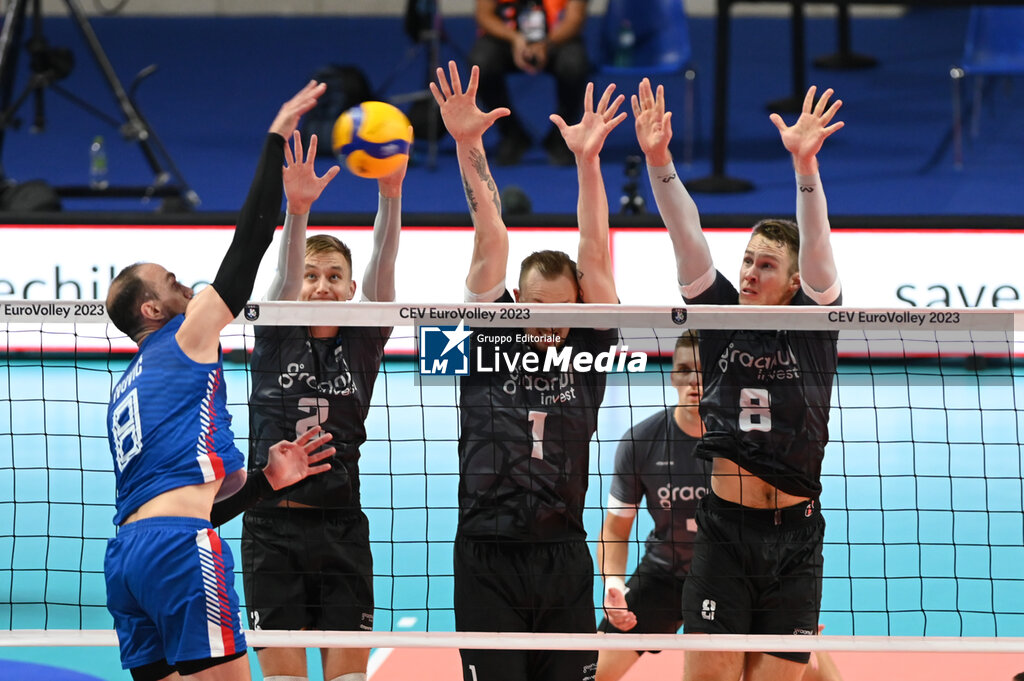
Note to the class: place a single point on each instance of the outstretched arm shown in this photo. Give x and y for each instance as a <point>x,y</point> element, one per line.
<point>214,307</point>
<point>803,140</point>
<point>288,463</point>
<point>301,189</point>
<point>585,140</point>
<point>694,267</point>
<point>379,276</point>
<point>466,123</point>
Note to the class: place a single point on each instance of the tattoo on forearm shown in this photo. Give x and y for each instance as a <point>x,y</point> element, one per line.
<point>480,164</point>
<point>470,197</point>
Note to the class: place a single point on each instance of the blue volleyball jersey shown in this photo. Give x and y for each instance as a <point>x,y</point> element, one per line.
<point>167,423</point>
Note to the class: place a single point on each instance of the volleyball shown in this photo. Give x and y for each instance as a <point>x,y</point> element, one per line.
<point>372,139</point>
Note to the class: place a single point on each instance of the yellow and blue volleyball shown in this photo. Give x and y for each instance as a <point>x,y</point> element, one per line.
<point>372,139</point>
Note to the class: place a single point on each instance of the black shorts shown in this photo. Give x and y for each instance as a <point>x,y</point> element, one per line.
<point>755,571</point>
<point>307,569</point>
<point>655,597</point>
<point>525,587</point>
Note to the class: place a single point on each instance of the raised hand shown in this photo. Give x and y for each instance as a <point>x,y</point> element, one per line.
<point>287,118</point>
<point>653,123</point>
<point>586,138</point>
<point>804,138</point>
<point>292,462</point>
<point>301,185</point>
<point>617,611</point>
<point>464,120</point>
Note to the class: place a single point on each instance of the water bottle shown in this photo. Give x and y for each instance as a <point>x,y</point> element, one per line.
<point>625,43</point>
<point>533,23</point>
<point>98,164</point>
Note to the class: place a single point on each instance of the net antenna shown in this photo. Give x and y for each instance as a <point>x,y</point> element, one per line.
<point>50,65</point>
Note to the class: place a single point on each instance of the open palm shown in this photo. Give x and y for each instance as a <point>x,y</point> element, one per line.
<point>301,185</point>
<point>586,138</point>
<point>461,115</point>
<point>804,138</point>
<point>653,123</point>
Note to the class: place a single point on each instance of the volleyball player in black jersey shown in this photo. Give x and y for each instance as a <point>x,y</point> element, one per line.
<point>306,553</point>
<point>757,564</point>
<point>654,461</point>
<point>521,557</point>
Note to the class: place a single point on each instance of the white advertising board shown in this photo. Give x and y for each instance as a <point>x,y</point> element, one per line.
<point>889,268</point>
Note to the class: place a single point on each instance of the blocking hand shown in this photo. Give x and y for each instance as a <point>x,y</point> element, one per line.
<point>292,462</point>
<point>653,123</point>
<point>586,138</point>
<point>463,118</point>
<point>804,138</point>
<point>287,118</point>
<point>301,185</point>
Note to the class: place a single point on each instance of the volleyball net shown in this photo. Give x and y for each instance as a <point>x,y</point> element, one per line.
<point>923,493</point>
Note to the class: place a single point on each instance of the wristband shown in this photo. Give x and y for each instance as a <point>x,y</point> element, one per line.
<point>614,582</point>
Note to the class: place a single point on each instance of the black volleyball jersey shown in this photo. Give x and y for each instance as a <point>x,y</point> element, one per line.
<point>655,460</point>
<point>524,443</point>
<point>766,396</point>
<point>299,382</point>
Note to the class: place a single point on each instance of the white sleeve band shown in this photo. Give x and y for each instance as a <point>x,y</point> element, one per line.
<point>291,259</point>
<point>379,277</point>
<point>614,582</point>
<point>699,285</point>
<point>487,296</point>
<point>620,508</point>
<point>818,276</point>
<point>679,213</point>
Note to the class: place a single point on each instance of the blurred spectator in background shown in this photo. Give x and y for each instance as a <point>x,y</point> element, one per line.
<point>531,36</point>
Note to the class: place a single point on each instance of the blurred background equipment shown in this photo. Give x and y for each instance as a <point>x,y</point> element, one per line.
<point>51,64</point>
<point>994,46</point>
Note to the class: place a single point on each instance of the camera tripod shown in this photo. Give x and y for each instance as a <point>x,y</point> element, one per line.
<point>49,65</point>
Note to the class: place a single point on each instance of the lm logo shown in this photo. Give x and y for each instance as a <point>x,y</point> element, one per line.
<point>444,350</point>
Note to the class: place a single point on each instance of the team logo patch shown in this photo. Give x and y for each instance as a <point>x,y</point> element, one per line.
<point>444,350</point>
<point>707,609</point>
<point>679,315</point>
<point>252,312</point>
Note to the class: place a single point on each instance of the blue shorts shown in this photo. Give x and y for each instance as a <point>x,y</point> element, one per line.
<point>170,588</point>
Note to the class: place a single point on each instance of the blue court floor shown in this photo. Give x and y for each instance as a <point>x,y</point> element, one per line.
<point>923,504</point>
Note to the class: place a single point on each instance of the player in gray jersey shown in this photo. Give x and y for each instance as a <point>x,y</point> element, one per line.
<point>306,553</point>
<point>521,559</point>
<point>655,462</point>
<point>757,566</point>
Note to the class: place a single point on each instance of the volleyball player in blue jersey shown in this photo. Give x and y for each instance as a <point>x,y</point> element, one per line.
<point>306,554</point>
<point>169,577</point>
<point>757,565</point>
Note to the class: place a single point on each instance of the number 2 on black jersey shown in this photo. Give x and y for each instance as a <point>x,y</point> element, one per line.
<point>316,407</point>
